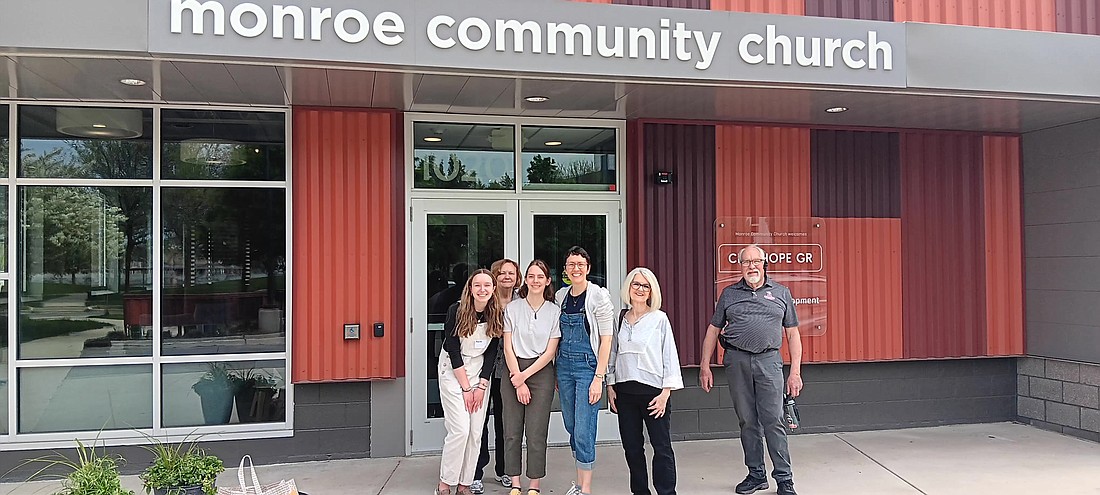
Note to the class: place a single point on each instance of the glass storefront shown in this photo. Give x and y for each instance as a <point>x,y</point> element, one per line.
<point>151,252</point>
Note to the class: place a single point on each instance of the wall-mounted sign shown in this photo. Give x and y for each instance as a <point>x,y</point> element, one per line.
<point>795,250</point>
<point>558,37</point>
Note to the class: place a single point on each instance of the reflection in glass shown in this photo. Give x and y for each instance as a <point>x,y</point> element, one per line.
<point>463,156</point>
<point>85,398</point>
<point>555,234</point>
<point>457,245</point>
<point>85,254</point>
<point>4,140</point>
<point>224,393</point>
<point>3,357</point>
<point>85,142</point>
<point>224,270</point>
<point>568,158</point>
<point>216,144</point>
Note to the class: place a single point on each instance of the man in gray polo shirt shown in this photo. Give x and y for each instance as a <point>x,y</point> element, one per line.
<point>751,317</point>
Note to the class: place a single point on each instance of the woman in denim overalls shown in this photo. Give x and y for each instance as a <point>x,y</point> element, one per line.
<point>587,319</point>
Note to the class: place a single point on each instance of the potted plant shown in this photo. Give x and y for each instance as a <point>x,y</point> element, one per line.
<point>181,469</point>
<point>254,391</point>
<point>216,391</point>
<point>92,473</point>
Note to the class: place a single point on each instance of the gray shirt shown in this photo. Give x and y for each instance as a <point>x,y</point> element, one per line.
<point>753,320</point>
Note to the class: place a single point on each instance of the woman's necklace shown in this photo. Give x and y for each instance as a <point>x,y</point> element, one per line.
<point>534,309</point>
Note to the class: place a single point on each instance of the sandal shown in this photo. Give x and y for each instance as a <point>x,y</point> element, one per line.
<point>515,491</point>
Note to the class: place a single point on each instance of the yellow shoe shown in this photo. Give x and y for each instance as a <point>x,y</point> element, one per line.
<point>533,491</point>
<point>515,491</point>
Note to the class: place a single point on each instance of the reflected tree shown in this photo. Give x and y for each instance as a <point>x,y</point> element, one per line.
<point>543,170</point>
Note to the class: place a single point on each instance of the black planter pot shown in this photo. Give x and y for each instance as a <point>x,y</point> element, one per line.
<point>186,490</point>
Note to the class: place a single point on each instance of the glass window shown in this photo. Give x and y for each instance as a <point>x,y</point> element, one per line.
<point>210,144</point>
<point>224,393</point>
<point>85,254</point>
<point>4,140</point>
<point>557,233</point>
<point>85,142</point>
<point>3,357</point>
<point>224,270</point>
<point>568,158</point>
<point>85,398</point>
<point>463,156</point>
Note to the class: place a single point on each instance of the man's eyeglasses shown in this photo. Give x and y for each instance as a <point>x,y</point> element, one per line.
<point>752,262</point>
<point>576,265</point>
<point>639,286</point>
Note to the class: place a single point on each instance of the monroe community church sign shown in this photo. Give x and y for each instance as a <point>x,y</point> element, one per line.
<point>542,37</point>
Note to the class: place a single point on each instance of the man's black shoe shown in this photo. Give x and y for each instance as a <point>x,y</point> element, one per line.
<point>786,488</point>
<point>751,484</point>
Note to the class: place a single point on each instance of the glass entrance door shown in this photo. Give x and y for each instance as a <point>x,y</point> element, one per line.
<point>451,238</point>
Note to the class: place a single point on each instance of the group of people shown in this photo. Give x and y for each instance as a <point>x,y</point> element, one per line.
<point>509,349</point>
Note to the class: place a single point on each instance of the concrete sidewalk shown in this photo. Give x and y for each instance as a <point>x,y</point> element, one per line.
<point>1001,458</point>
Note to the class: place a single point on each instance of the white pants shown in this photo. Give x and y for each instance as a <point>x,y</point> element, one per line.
<point>462,446</point>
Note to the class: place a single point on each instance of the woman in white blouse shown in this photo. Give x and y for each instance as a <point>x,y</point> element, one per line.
<point>645,369</point>
<point>531,337</point>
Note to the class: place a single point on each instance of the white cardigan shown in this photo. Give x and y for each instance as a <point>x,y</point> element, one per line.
<point>598,310</point>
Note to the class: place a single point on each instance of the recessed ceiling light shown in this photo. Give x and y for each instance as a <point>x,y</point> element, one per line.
<point>553,143</point>
<point>433,139</point>
<point>536,98</point>
<point>99,126</point>
<point>132,82</point>
<point>836,109</point>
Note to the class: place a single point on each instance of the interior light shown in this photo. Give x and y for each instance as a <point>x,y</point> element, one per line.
<point>836,109</point>
<point>95,122</point>
<point>553,143</point>
<point>536,98</point>
<point>99,126</point>
<point>132,82</point>
<point>433,139</point>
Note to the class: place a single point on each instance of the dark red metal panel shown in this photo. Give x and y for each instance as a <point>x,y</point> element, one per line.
<point>855,174</point>
<point>1035,15</point>
<point>680,4</point>
<point>1004,246</point>
<point>678,224</point>
<point>788,7</point>
<point>763,171</point>
<point>348,244</point>
<point>1078,16</point>
<point>943,245</point>
<point>872,10</point>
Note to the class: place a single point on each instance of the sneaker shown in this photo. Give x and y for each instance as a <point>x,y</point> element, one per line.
<point>515,491</point>
<point>533,491</point>
<point>442,492</point>
<point>477,487</point>
<point>786,487</point>
<point>505,481</point>
<point>573,490</point>
<point>750,485</point>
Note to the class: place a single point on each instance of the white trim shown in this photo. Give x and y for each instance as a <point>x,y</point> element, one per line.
<point>158,270</point>
<point>12,226</point>
<point>116,438</point>
<point>288,304</point>
<point>221,358</point>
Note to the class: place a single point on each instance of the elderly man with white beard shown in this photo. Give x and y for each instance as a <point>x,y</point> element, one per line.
<point>749,321</point>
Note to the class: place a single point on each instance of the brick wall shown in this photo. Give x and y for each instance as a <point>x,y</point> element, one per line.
<point>1058,395</point>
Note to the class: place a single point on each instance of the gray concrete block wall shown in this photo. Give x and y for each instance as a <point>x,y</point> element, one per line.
<point>866,396</point>
<point>1066,400</point>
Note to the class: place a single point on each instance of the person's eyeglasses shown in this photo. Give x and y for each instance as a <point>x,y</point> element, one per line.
<point>752,262</point>
<point>639,286</point>
<point>576,265</point>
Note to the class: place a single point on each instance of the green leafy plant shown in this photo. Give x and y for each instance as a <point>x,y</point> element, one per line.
<point>179,466</point>
<point>92,473</point>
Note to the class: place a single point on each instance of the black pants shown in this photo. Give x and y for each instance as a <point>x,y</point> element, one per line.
<point>633,413</point>
<point>498,425</point>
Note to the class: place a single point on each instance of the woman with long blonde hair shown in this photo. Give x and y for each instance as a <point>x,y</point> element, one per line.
<point>473,328</point>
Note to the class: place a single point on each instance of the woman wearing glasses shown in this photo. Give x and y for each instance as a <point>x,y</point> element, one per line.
<point>530,340</point>
<point>587,325</point>
<point>645,369</point>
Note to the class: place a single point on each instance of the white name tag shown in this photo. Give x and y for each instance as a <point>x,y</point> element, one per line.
<point>480,343</point>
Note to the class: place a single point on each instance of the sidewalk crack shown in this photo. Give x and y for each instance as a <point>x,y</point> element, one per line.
<point>390,477</point>
<point>891,471</point>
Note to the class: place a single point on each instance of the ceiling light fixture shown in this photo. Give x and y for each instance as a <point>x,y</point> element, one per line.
<point>129,81</point>
<point>836,109</point>
<point>433,139</point>
<point>552,143</point>
<point>102,123</point>
<point>536,98</point>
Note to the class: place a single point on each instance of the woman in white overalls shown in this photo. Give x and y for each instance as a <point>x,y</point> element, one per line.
<point>473,328</point>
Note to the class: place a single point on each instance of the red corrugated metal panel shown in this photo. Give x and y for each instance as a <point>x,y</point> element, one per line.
<point>637,230</point>
<point>855,174</point>
<point>1078,16</point>
<point>943,252</point>
<point>1035,15</point>
<point>678,218</point>
<point>789,7</point>
<point>348,264</point>
<point>872,10</point>
<point>1003,247</point>
<point>592,1</point>
<point>679,4</point>
<point>763,171</point>
<point>863,266</point>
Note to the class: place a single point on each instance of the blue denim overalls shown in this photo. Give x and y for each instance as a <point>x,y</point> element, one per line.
<point>576,367</point>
